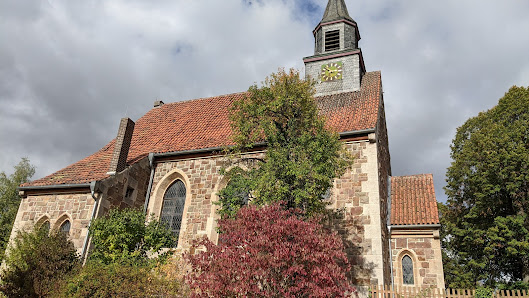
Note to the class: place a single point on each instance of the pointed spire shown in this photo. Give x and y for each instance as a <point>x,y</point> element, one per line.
<point>336,10</point>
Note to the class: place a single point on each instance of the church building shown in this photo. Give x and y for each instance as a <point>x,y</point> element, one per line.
<point>169,162</point>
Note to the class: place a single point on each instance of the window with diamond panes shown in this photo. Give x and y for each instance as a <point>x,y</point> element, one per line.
<point>173,207</point>
<point>65,227</point>
<point>407,270</point>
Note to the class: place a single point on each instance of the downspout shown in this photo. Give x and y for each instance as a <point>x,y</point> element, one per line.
<point>390,256</point>
<point>148,196</point>
<point>93,186</point>
<point>388,223</point>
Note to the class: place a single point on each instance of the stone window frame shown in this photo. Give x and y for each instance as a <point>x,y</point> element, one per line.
<point>211,225</point>
<point>399,277</point>
<point>156,200</point>
<point>61,220</point>
<point>176,211</point>
<point>42,221</point>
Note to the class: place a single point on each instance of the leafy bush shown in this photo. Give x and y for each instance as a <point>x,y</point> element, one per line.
<point>483,292</point>
<point>516,285</point>
<point>122,280</point>
<point>36,264</point>
<point>270,252</point>
<point>122,236</point>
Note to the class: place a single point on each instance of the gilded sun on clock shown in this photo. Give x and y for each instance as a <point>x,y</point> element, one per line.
<point>331,71</point>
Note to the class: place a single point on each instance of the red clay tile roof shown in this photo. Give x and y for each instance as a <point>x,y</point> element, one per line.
<point>413,200</point>
<point>204,123</point>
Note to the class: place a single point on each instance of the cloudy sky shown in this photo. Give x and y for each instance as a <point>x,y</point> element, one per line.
<point>69,70</point>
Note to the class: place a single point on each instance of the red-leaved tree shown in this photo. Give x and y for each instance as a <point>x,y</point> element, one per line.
<point>270,252</point>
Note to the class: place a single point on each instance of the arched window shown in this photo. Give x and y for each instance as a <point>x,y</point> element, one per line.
<point>407,270</point>
<point>173,207</point>
<point>45,225</point>
<point>65,227</point>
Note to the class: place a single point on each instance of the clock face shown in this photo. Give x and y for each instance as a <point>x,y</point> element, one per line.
<point>332,71</point>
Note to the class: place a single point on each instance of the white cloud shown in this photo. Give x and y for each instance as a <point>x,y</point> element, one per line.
<point>69,70</point>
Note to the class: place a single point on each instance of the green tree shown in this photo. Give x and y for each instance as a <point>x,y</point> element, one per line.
<point>37,264</point>
<point>485,223</point>
<point>9,199</point>
<point>302,156</point>
<point>122,236</point>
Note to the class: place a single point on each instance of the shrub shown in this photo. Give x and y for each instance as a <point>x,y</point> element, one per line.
<point>36,264</point>
<point>122,236</point>
<point>483,292</point>
<point>121,280</point>
<point>270,252</point>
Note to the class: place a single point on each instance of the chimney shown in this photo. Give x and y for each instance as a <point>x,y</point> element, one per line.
<point>121,147</point>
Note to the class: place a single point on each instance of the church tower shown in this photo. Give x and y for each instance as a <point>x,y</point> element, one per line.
<point>337,64</point>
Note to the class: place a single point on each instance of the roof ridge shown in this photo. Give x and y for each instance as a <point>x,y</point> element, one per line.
<point>204,98</point>
<point>413,175</point>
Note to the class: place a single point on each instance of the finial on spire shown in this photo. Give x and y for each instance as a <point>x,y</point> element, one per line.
<point>336,10</point>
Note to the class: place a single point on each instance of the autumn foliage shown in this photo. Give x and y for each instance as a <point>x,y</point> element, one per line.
<point>270,252</point>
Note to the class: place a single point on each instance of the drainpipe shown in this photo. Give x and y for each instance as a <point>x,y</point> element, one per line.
<point>93,186</point>
<point>390,257</point>
<point>148,196</point>
<point>388,224</point>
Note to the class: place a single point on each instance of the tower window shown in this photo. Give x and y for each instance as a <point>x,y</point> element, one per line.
<point>332,40</point>
<point>407,270</point>
<point>173,207</point>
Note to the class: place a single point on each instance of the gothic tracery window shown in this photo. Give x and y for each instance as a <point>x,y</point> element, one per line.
<point>173,207</point>
<point>407,270</point>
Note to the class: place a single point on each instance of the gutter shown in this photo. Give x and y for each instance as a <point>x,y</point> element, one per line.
<point>60,186</point>
<point>93,186</point>
<point>356,132</point>
<point>149,188</point>
<point>195,151</point>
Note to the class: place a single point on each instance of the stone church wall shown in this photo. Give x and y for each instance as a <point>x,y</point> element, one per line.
<point>384,173</point>
<point>201,177</point>
<point>356,193</point>
<point>57,206</point>
<point>424,248</point>
<point>126,189</point>
<point>35,210</point>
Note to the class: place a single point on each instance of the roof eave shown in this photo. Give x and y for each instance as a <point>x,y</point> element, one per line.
<point>416,226</point>
<point>57,186</point>
<point>357,132</point>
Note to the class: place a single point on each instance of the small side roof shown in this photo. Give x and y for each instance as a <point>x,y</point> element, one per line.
<point>413,200</point>
<point>204,123</point>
